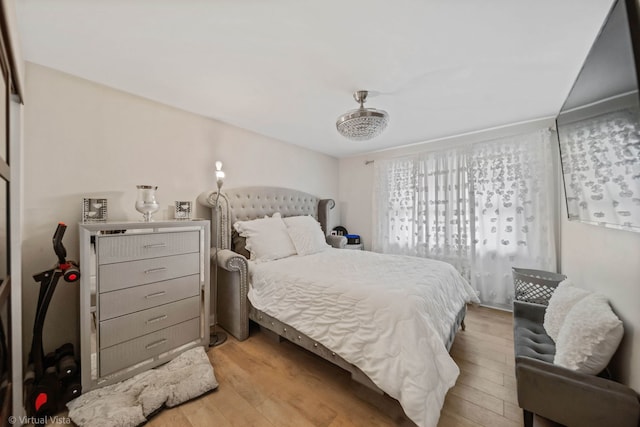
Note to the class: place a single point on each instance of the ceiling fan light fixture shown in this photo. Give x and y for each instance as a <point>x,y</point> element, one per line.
<point>363,123</point>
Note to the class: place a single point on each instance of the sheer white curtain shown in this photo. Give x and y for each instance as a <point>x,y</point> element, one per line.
<point>422,207</point>
<point>515,204</point>
<point>484,209</point>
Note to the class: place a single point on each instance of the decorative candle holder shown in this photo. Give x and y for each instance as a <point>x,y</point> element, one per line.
<point>146,203</point>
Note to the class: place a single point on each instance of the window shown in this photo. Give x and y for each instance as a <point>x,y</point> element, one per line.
<point>484,209</point>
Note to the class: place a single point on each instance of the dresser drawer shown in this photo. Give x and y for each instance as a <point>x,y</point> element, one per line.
<point>125,274</point>
<point>126,301</point>
<point>143,246</point>
<point>129,353</point>
<point>143,322</point>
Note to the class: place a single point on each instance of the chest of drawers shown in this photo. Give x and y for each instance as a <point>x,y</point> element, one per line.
<point>144,296</point>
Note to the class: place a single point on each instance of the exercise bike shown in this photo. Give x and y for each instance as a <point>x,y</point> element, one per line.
<point>52,380</point>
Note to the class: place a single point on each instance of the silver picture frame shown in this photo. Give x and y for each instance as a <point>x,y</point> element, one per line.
<point>94,210</point>
<point>183,210</point>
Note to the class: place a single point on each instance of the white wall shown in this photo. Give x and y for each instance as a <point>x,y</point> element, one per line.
<point>608,261</point>
<point>83,139</point>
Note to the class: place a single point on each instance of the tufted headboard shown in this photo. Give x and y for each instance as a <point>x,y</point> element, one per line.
<point>247,203</point>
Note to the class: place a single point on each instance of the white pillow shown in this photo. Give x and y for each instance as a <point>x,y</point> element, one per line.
<point>589,336</point>
<point>563,298</point>
<point>306,234</point>
<point>267,238</point>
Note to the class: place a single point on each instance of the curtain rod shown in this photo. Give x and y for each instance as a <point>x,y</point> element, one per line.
<point>551,128</point>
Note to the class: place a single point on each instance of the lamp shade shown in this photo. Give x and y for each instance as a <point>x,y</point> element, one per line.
<point>219,175</point>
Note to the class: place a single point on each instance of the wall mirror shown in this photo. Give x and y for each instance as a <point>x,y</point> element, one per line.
<point>599,127</point>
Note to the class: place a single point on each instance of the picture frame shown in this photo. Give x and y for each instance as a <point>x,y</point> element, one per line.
<point>182,210</point>
<point>94,210</point>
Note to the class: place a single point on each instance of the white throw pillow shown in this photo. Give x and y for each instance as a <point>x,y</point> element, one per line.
<point>562,300</point>
<point>306,234</point>
<point>589,336</point>
<point>267,238</point>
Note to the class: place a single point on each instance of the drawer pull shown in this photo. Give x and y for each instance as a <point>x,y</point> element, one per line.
<point>156,319</point>
<point>155,294</point>
<point>155,344</point>
<point>155,270</point>
<point>155,245</point>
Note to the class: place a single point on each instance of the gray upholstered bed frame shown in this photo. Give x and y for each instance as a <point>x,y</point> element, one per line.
<point>232,308</point>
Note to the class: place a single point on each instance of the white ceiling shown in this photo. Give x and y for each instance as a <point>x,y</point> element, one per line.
<point>287,69</point>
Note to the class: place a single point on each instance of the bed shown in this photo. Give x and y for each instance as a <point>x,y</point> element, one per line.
<point>389,320</point>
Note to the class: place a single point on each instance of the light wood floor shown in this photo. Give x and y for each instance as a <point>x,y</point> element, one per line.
<point>271,384</point>
<point>266,383</point>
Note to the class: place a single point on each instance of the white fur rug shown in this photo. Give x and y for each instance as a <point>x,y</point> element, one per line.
<point>130,402</point>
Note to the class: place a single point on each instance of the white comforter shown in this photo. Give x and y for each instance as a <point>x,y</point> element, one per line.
<point>389,315</point>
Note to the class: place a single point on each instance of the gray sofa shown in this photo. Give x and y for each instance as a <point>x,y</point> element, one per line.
<point>559,394</point>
